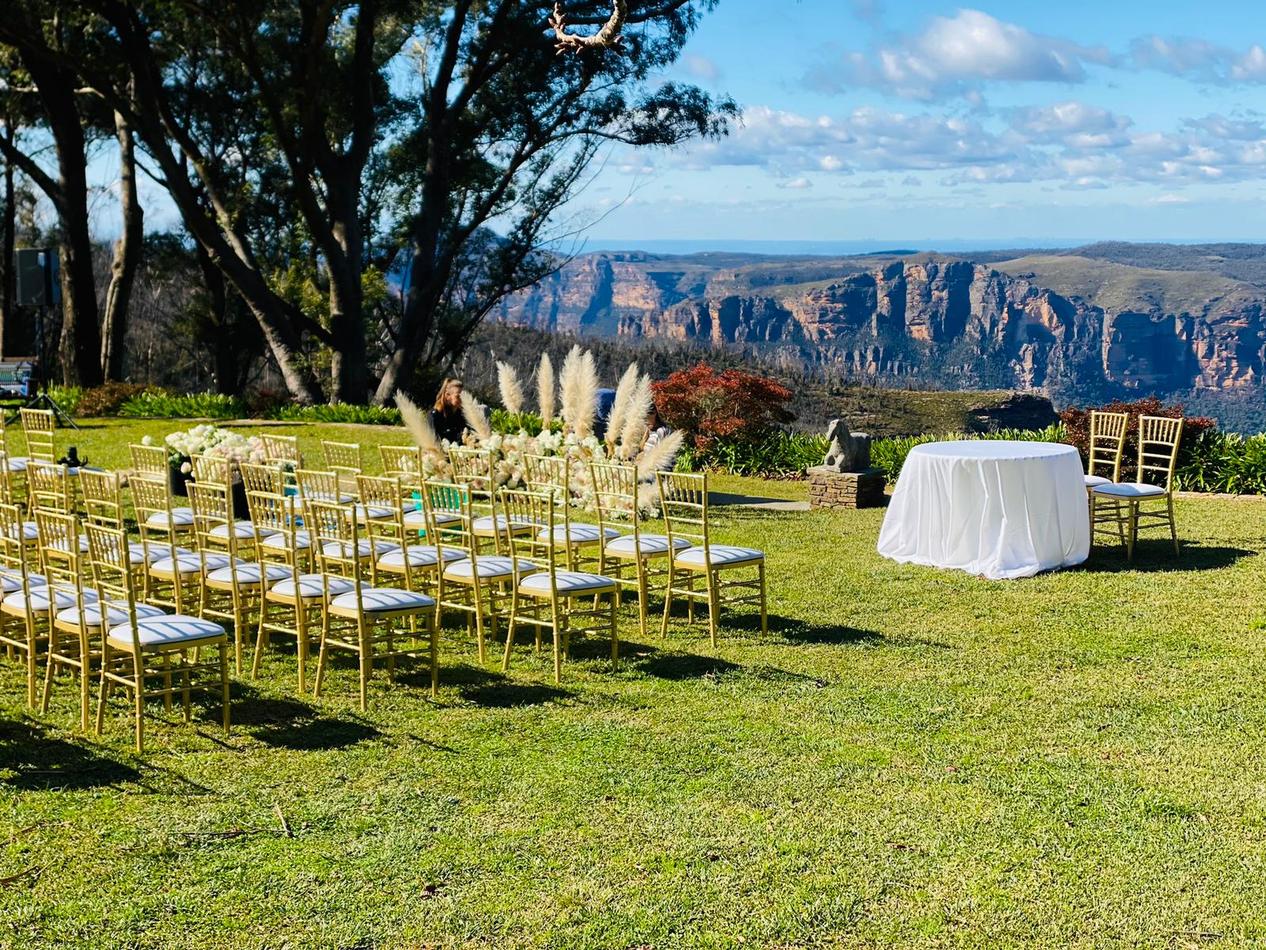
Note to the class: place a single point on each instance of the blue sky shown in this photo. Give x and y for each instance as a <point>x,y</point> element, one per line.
<point>925,121</point>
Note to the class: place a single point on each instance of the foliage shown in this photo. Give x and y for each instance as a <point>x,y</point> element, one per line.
<point>780,454</point>
<point>68,397</point>
<point>1223,462</point>
<point>889,455</point>
<point>159,404</point>
<point>1077,425</point>
<point>731,405</point>
<point>339,412</point>
<point>106,399</point>
<point>509,423</point>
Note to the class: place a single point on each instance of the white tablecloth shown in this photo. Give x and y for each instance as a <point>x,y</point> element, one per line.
<point>993,508</point>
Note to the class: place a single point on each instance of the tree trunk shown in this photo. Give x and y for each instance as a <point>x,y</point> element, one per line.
<point>127,257</point>
<point>349,362</point>
<point>8,231</point>
<point>217,334</point>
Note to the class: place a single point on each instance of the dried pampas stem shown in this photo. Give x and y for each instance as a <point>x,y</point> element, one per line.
<point>476,416</point>
<point>640,404</point>
<point>545,387</point>
<point>511,389</point>
<point>586,397</point>
<point>659,457</point>
<point>620,406</point>
<point>419,425</point>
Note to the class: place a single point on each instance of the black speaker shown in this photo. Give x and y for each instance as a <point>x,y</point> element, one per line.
<point>36,272</point>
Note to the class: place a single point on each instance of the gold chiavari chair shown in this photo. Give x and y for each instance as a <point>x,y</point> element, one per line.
<point>38,425</point>
<point>684,501</point>
<point>174,577</point>
<point>401,461</point>
<point>343,457</point>
<point>373,623</point>
<point>103,505</point>
<point>12,467</point>
<point>1159,440</point>
<point>281,448</point>
<point>416,564</point>
<point>548,596</point>
<point>170,648</point>
<point>150,460</point>
<point>473,468</point>
<point>615,492</point>
<point>316,485</point>
<point>50,488</point>
<point>473,582</point>
<point>232,593</point>
<point>25,609</point>
<point>269,479</point>
<point>294,606</point>
<point>581,542</point>
<point>216,470</point>
<point>1107,443</point>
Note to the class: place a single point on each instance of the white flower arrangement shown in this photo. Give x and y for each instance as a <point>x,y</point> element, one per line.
<point>207,439</point>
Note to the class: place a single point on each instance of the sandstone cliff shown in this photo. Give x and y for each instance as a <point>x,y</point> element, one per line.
<point>1034,323</point>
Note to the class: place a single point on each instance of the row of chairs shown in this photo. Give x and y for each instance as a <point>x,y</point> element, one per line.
<point>364,564</point>
<point>1120,509</point>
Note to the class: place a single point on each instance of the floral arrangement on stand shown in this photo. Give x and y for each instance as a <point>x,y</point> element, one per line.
<point>207,439</point>
<point>575,390</point>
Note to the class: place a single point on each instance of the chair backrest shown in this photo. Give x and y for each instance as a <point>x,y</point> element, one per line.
<point>103,497</point>
<point>214,529</point>
<point>50,488</point>
<point>531,549</point>
<point>472,467</point>
<point>149,459</point>
<point>402,461</point>
<point>8,483</point>
<point>263,478</point>
<point>551,473</point>
<point>382,498</point>
<point>60,559</point>
<point>1159,438</point>
<point>316,485</point>
<point>151,501</point>
<point>615,497</point>
<point>281,448</point>
<point>38,426</point>
<point>212,468</point>
<point>683,499</point>
<point>342,457</point>
<point>276,513</point>
<point>336,540</point>
<point>1107,442</point>
<point>112,574</point>
<point>456,531</point>
<point>13,543</point>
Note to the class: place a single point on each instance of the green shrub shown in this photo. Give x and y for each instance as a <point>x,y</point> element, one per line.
<point>341,412</point>
<point>1222,462</point>
<point>68,398</point>
<point>779,454</point>
<point>107,399</point>
<point>159,404</point>
<point>509,423</point>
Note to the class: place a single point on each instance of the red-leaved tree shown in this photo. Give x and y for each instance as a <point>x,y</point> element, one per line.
<point>731,405</point>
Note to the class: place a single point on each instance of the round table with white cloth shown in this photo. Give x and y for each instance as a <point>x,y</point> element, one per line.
<point>992,508</point>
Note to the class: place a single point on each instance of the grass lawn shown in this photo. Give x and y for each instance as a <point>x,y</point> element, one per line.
<point>910,757</point>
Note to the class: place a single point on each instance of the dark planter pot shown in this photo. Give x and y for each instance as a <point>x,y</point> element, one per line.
<point>178,480</point>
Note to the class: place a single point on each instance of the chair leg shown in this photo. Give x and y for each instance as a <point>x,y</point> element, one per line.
<point>1134,531</point>
<point>139,712</point>
<point>668,603</point>
<point>513,625</point>
<point>1173,526</point>
<point>184,694</point>
<point>642,596</point>
<point>435,655</point>
<point>764,601</point>
<point>558,656</point>
<point>48,672</point>
<point>321,656</point>
<point>714,606</point>
<point>102,698</point>
<point>366,663</point>
<point>30,667</point>
<point>615,632</point>
<point>85,689</point>
<point>224,687</point>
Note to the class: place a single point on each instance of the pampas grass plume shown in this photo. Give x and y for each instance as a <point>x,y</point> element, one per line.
<point>620,407</point>
<point>511,388</point>
<point>545,391</point>
<point>640,403</point>
<point>476,416</point>
<point>418,423</point>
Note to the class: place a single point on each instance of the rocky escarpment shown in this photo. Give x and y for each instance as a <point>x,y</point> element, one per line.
<point>938,320</point>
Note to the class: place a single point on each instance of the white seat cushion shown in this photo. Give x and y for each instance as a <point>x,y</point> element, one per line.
<point>1093,481</point>
<point>568,582</point>
<point>241,530</point>
<point>180,518</point>
<point>380,600</point>
<point>343,498</point>
<point>420,555</point>
<point>416,520</point>
<point>41,597</point>
<point>249,574</point>
<point>189,563</point>
<point>723,555</point>
<point>82,546</point>
<point>157,551</point>
<point>18,464</point>
<point>492,566</point>
<point>647,545</point>
<point>116,614</point>
<point>311,587</point>
<point>281,542</point>
<point>165,630</point>
<point>364,547</point>
<point>372,513</point>
<point>30,531</point>
<point>578,534</point>
<point>484,525</point>
<point>1130,490</point>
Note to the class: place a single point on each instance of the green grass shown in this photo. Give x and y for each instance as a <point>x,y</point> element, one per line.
<point>910,757</point>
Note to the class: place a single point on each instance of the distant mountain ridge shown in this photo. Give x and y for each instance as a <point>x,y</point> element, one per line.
<point>1101,319</point>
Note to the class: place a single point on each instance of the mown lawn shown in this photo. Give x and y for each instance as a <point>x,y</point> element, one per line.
<point>910,757</point>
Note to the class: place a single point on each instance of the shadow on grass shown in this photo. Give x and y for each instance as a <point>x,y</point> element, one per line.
<point>507,694</point>
<point>1156,556</point>
<point>40,761</point>
<point>294,724</point>
<point>802,631</point>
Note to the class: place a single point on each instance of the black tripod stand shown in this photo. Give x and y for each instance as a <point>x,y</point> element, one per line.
<point>41,399</point>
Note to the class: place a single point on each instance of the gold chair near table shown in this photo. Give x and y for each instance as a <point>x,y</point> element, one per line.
<point>1134,504</point>
<point>1107,444</point>
<point>39,426</point>
<point>684,501</point>
<point>401,461</point>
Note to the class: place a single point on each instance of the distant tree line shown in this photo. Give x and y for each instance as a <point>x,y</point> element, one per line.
<point>357,184</point>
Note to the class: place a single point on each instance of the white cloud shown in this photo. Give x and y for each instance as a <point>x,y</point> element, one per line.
<point>954,55</point>
<point>1199,60</point>
<point>797,183</point>
<point>701,67</point>
<point>1075,124</point>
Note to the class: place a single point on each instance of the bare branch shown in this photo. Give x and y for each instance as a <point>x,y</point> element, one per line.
<point>607,37</point>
